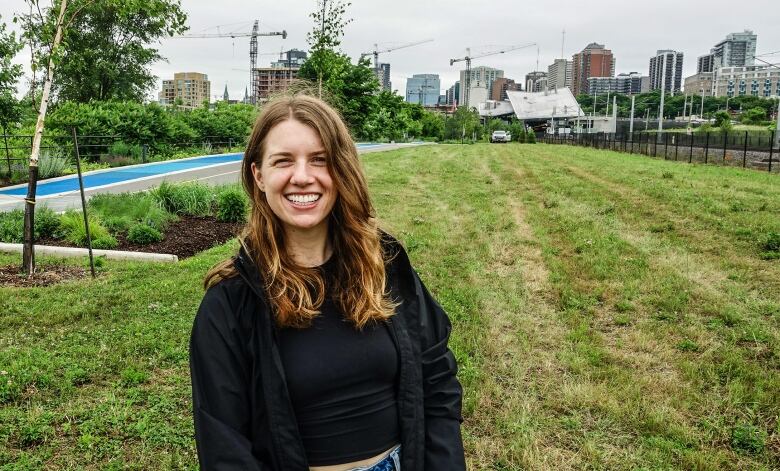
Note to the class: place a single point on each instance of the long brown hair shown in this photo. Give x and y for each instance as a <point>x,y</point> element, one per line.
<point>360,281</point>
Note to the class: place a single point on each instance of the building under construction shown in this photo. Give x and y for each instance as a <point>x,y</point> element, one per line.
<point>278,77</point>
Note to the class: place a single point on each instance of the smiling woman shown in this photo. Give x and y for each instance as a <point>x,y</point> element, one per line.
<point>317,347</point>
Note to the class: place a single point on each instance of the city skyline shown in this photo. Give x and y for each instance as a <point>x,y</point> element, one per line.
<point>454,26</point>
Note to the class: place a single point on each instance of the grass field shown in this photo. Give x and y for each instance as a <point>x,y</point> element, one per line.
<point>610,312</point>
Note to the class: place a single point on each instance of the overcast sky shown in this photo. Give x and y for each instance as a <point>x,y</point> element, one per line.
<point>632,30</point>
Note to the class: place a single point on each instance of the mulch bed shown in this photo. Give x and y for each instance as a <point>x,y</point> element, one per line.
<point>45,275</point>
<point>183,238</point>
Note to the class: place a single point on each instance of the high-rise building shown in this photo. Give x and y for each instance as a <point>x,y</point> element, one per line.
<point>500,87</point>
<point>559,74</point>
<point>536,81</point>
<point>452,94</point>
<point>293,59</point>
<point>737,50</point>
<point>626,84</point>
<point>423,89</point>
<point>191,88</point>
<point>482,74</point>
<point>666,66</point>
<point>704,64</point>
<point>383,74</point>
<point>593,61</point>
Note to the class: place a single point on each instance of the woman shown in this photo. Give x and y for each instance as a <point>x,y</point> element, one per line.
<point>317,347</point>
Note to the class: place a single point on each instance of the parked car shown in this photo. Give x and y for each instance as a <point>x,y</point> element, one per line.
<point>500,136</point>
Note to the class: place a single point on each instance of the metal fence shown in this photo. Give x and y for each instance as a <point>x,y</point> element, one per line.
<point>742,148</point>
<point>114,151</point>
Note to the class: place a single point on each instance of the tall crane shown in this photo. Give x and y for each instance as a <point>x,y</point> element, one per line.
<point>253,74</point>
<point>378,51</point>
<point>468,58</point>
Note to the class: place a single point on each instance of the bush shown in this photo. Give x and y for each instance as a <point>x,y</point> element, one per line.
<point>722,117</point>
<point>231,206</point>
<point>704,128</point>
<point>47,224</point>
<point>531,137</point>
<point>51,165</point>
<point>72,223</point>
<point>12,226</point>
<point>194,199</point>
<point>142,234</point>
<point>119,212</point>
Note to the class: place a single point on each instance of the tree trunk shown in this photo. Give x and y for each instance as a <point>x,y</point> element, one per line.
<point>28,251</point>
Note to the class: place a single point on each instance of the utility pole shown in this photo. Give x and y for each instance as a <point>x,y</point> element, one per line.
<point>663,92</point>
<point>647,117</point>
<point>685,106</point>
<point>702,104</point>
<point>777,132</point>
<point>631,126</point>
<point>606,113</point>
<point>614,111</point>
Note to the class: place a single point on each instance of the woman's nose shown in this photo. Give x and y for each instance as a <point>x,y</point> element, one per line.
<point>301,174</point>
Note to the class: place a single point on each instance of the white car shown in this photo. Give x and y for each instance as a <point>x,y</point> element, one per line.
<point>500,136</point>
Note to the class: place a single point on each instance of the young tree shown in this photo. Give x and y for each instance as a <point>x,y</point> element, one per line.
<point>325,37</point>
<point>108,54</point>
<point>28,254</point>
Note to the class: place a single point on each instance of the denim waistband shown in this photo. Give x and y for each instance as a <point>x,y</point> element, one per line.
<point>391,462</point>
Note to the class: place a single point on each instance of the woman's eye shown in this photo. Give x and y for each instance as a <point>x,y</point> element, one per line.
<point>319,160</point>
<point>282,162</point>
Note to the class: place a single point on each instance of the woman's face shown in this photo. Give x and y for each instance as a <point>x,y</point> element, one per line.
<point>294,176</point>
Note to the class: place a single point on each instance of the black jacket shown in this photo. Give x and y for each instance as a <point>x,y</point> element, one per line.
<point>244,419</point>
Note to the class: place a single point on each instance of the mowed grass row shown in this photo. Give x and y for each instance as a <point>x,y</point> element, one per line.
<point>610,312</point>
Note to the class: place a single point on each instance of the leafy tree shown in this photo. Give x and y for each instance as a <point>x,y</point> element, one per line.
<point>10,110</point>
<point>432,125</point>
<point>106,53</point>
<point>517,129</point>
<point>350,88</point>
<point>464,123</point>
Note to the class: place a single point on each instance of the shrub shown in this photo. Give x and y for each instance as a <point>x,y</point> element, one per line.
<point>51,165</point>
<point>231,206</point>
<point>119,212</point>
<point>531,138</point>
<point>142,234</point>
<point>11,226</point>
<point>188,198</point>
<point>47,224</point>
<point>72,223</point>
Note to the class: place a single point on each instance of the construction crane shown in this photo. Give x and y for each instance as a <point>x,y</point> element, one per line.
<point>253,75</point>
<point>468,58</point>
<point>378,51</point>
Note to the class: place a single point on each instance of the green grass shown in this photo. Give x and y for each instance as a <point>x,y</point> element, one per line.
<point>610,312</point>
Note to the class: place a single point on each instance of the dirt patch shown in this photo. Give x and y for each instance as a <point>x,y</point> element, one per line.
<point>45,275</point>
<point>183,238</point>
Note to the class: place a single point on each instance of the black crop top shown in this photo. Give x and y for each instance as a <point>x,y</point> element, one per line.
<point>342,383</point>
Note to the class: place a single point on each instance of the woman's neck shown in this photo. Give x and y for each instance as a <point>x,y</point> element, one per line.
<point>309,248</point>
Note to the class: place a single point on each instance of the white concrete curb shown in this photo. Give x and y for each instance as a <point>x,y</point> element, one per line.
<point>79,252</point>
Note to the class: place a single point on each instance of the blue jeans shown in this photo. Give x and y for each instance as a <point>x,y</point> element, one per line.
<point>391,462</point>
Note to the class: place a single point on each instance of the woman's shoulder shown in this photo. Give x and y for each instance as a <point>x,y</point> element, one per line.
<point>232,301</point>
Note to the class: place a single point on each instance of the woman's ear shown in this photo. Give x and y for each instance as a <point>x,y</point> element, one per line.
<point>258,177</point>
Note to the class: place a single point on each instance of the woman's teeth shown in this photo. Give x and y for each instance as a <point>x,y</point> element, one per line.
<point>302,199</point>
